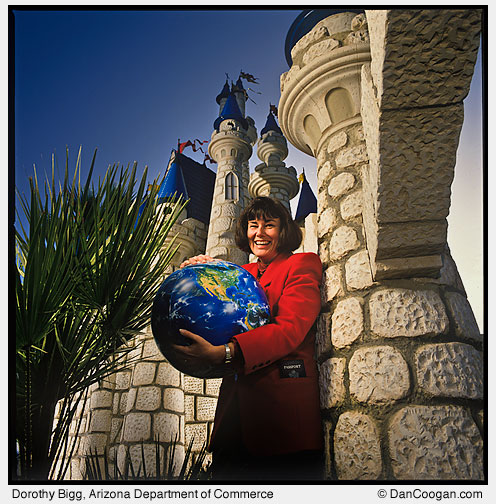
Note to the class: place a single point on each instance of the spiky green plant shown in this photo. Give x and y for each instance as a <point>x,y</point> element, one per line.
<point>86,272</point>
<point>193,466</point>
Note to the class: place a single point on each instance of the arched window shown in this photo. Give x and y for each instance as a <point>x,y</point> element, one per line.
<point>231,186</point>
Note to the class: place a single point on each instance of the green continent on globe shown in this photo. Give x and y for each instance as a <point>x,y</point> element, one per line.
<point>217,282</point>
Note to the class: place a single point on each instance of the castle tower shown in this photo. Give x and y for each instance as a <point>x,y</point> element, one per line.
<point>272,177</point>
<point>230,147</point>
<point>399,351</point>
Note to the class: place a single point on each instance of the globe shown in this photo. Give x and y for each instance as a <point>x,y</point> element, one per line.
<point>215,300</point>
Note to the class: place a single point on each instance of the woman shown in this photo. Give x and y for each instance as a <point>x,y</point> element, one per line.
<point>267,423</point>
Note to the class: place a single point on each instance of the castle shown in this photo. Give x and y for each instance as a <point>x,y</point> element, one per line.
<point>377,98</point>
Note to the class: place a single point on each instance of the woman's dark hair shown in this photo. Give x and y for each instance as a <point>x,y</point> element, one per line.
<point>290,235</point>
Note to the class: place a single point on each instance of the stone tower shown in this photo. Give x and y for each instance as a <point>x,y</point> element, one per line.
<point>272,177</point>
<point>399,351</point>
<point>231,148</point>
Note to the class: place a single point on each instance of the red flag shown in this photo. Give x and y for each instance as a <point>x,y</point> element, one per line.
<point>183,146</point>
<point>248,77</point>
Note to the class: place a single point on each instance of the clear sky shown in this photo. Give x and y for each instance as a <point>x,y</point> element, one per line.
<point>130,83</point>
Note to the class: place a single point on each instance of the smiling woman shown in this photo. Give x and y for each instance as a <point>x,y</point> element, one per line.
<point>267,422</point>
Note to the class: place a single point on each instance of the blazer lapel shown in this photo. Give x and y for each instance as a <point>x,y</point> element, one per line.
<point>272,270</point>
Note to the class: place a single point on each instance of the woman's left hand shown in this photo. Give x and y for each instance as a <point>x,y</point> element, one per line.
<point>200,352</point>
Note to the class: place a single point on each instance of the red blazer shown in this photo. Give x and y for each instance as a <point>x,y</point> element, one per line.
<point>278,392</point>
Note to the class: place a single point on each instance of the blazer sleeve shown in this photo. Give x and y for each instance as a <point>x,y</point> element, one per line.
<point>295,313</point>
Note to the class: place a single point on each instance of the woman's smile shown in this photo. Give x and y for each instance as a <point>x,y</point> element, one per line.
<point>263,238</point>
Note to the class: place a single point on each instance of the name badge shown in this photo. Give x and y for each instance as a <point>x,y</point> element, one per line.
<point>292,369</point>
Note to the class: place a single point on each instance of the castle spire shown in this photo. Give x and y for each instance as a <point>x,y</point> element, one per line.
<point>231,148</point>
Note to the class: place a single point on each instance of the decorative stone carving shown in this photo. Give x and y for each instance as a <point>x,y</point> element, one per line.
<point>357,448</point>
<point>378,374</point>
<point>404,312</point>
<point>435,442</point>
<point>450,370</point>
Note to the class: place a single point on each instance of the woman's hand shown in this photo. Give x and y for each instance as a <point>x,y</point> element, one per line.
<point>200,352</point>
<point>196,260</point>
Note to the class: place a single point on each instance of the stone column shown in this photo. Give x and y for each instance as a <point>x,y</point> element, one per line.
<point>272,177</point>
<point>400,357</point>
<point>230,147</point>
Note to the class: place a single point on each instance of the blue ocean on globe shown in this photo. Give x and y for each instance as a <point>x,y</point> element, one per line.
<point>215,300</point>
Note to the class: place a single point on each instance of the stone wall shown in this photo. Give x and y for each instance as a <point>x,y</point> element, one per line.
<point>400,355</point>
<point>147,400</point>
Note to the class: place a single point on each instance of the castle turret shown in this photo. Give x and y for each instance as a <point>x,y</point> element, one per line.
<point>272,177</point>
<point>222,96</point>
<point>240,94</point>
<point>230,147</point>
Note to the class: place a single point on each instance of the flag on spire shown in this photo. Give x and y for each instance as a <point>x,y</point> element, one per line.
<point>189,143</point>
<point>208,158</point>
<point>248,77</point>
<point>273,109</point>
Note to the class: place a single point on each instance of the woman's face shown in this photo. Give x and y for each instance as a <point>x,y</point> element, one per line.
<point>263,238</point>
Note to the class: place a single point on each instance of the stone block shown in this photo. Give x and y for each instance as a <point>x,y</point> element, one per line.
<point>189,408</point>
<point>352,156</point>
<point>341,184</point>
<point>405,312</point>
<point>332,283</point>
<point>343,240</point>
<point>323,336</point>
<point>137,427</point>
<point>148,398</point>
<point>144,457</point>
<point>116,430</point>
<point>168,375</point>
<point>144,373</point>
<point>450,370</point>
<point>151,351</point>
<point>122,380</point>
<point>197,434</point>
<point>357,447</point>
<point>100,421</point>
<point>101,399</point>
<point>465,324</point>
<point>357,271</point>
<point>193,385</point>
<point>324,174</point>
<point>337,141</point>
<point>174,399</point>
<point>205,408</point>
<point>351,206</point>
<point>94,443</point>
<point>212,386</point>
<point>123,403</point>
<point>378,374</point>
<point>347,322</point>
<point>166,427</point>
<point>327,222</point>
<point>435,443</point>
<point>130,398</point>
<point>331,382</point>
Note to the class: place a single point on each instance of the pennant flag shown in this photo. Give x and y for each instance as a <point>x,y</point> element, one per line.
<point>273,109</point>
<point>189,143</point>
<point>248,77</point>
<point>301,178</point>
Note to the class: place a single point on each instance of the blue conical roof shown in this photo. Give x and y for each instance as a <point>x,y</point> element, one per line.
<point>173,183</point>
<point>271,125</point>
<point>238,86</point>
<point>307,203</point>
<point>224,93</point>
<point>231,111</point>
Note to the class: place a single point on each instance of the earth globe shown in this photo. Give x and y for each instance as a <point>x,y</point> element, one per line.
<point>215,300</point>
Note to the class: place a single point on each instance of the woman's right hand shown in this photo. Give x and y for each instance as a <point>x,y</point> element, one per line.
<point>196,260</point>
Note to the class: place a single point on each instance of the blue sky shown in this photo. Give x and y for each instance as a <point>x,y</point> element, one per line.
<point>130,83</point>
